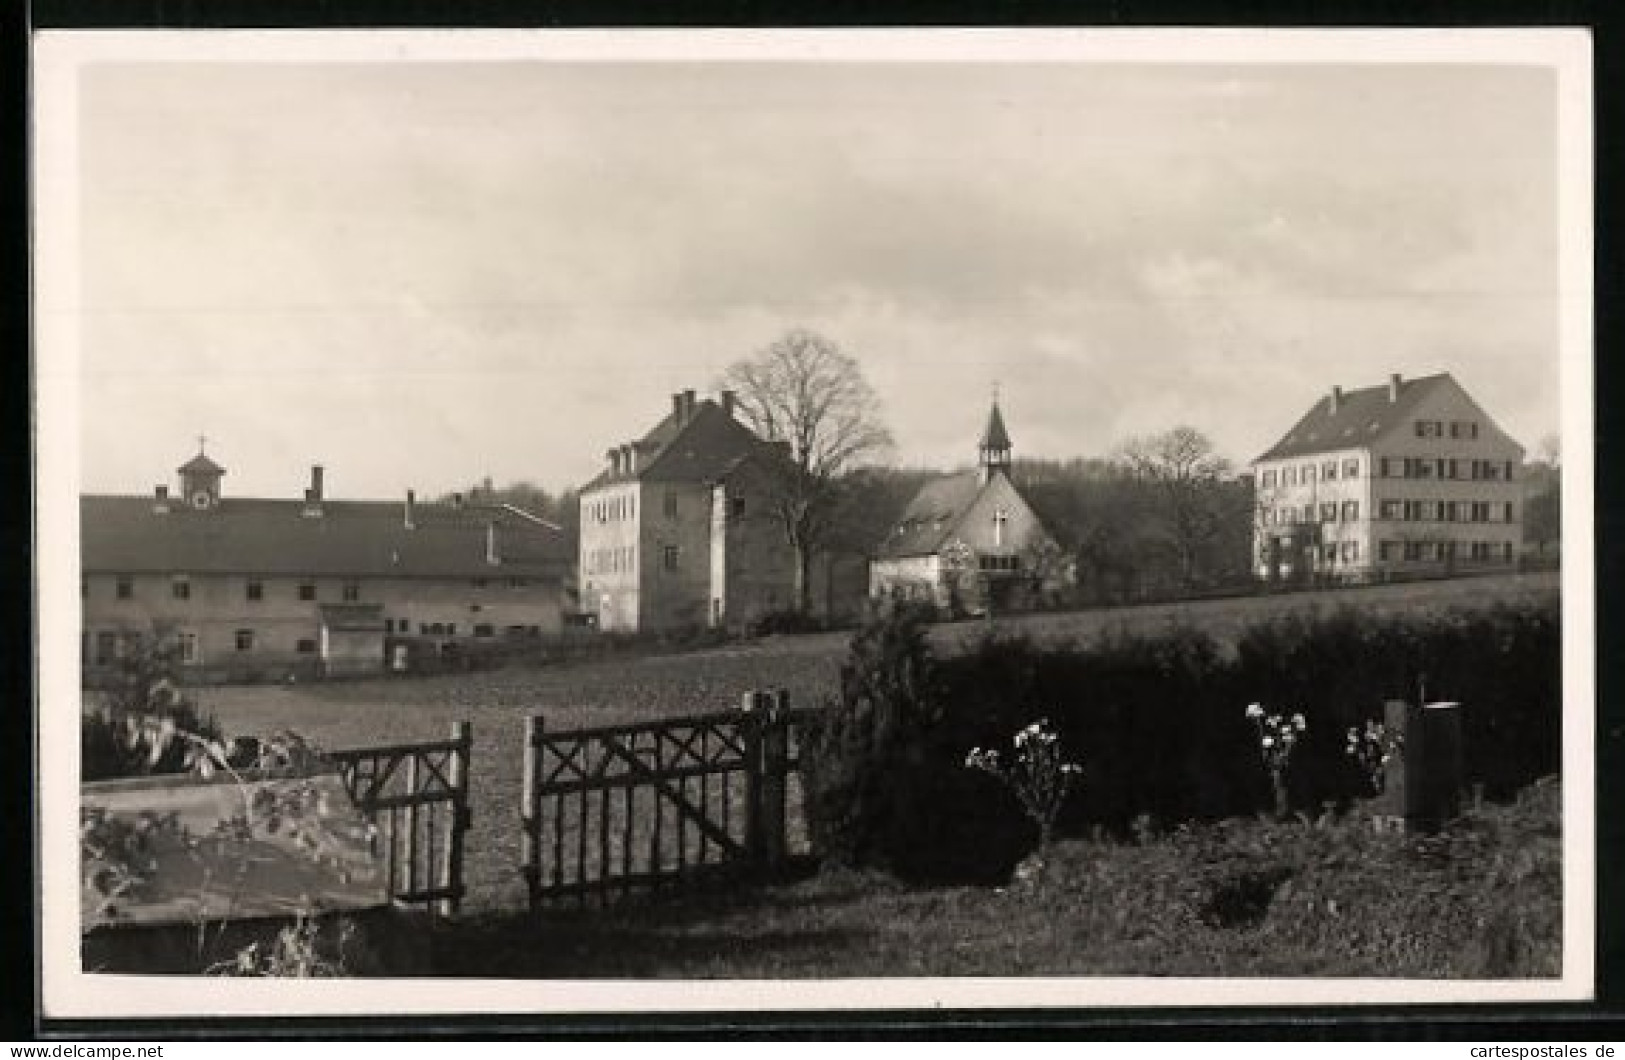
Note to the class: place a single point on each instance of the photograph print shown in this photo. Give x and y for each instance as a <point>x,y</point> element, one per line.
<point>585,521</point>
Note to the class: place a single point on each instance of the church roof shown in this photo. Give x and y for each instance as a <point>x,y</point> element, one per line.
<point>704,445</point>
<point>127,535</point>
<point>995,436</point>
<point>931,516</point>
<point>1362,416</point>
<point>201,464</point>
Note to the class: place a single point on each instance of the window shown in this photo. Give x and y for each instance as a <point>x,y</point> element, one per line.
<point>518,583</point>
<point>106,647</point>
<point>1351,551</point>
<point>1506,551</point>
<point>306,646</point>
<point>451,629</point>
<point>1328,471</point>
<point>180,587</point>
<point>671,505</point>
<point>668,557</point>
<point>307,590</point>
<point>483,630</point>
<point>478,583</point>
<point>1429,429</point>
<point>737,507</point>
<point>1509,511</point>
<point>1421,468</point>
<point>125,587</point>
<point>245,640</point>
<point>1507,468</point>
<point>256,589</point>
<point>1289,476</point>
<point>1307,473</point>
<point>1351,467</point>
<point>1351,511</point>
<point>1308,513</point>
<point>1386,468</point>
<point>189,652</point>
<point>1328,512</point>
<point>1266,478</point>
<point>352,592</point>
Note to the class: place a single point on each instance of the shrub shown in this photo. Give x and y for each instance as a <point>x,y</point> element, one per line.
<point>1160,721</point>
<point>885,786</point>
<point>142,723</point>
<point>775,622</point>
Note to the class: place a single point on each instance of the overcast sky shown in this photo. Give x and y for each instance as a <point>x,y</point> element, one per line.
<point>419,274</point>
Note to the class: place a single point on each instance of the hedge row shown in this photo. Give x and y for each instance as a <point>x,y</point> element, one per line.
<point>1158,724</point>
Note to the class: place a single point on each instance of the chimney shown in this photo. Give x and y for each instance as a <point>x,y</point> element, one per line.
<point>1393,388</point>
<point>729,400</point>
<point>313,494</point>
<point>410,510</point>
<point>491,556</point>
<point>614,456</point>
<point>677,406</point>
<point>160,500</point>
<point>457,500</point>
<point>629,458</point>
<point>688,405</point>
<point>1337,399</point>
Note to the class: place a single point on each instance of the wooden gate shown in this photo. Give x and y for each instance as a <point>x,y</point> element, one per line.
<point>612,810</point>
<point>417,796</point>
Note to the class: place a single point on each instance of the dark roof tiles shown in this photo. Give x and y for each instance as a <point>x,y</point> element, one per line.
<point>931,516</point>
<point>703,446</point>
<point>349,539</point>
<point>1361,417</point>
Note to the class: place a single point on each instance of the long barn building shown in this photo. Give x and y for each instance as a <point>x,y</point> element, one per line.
<point>258,588</point>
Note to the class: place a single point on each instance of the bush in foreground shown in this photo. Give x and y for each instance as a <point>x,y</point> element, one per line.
<point>1161,721</point>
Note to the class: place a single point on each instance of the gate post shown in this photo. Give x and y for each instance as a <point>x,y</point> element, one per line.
<point>774,783</point>
<point>1423,777</point>
<point>753,707</point>
<point>530,846</point>
<point>451,867</point>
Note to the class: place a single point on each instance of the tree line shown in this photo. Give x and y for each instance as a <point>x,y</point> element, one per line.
<point>1163,515</point>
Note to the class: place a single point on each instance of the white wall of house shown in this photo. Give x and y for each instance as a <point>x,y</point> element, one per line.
<point>1440,489</point>
<point>609,555</point>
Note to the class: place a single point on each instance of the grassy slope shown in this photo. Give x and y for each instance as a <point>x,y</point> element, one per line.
<point>1241,899</point>
<point>384,711</point>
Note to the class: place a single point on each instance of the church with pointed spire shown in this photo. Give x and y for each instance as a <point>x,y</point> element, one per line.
<point>971,542</point>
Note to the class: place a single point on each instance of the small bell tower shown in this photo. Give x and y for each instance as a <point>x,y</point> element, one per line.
<point>200,480</point>
<point>993,451</point>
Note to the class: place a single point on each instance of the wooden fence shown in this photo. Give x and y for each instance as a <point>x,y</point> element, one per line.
<point>617,809</point>
<point>417,796</point>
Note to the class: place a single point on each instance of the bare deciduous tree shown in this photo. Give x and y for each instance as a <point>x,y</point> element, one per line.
<point>805,394</point>
<point>1185,472</point>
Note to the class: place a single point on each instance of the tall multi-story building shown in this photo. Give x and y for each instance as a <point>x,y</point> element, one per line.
<point>679,530</point>
<point>970,539</point>
<point>1407,477</point>
<point>257,587</point>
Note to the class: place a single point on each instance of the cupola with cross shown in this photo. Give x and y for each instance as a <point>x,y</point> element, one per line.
<point>200,479</point>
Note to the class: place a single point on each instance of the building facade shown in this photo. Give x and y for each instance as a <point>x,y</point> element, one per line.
<point>678,531</point>
<point>255,588</point>
<point>1406,478</point>
<point>971,540</point>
